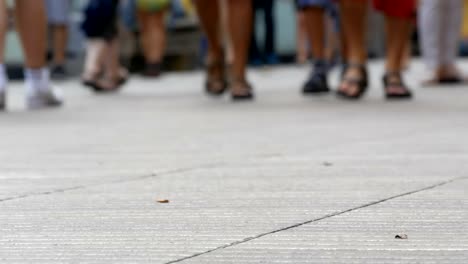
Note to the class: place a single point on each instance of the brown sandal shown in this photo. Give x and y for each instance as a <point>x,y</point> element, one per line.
<point>242,90</point>
<point>216,83</point>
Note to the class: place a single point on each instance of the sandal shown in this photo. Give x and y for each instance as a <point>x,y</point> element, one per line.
<point>123,77</point>
<point>216,83</point>
<point>394,80</point>
<point>360,83</point>
<point>242,90</point>
<point>92,80</point>
<point>449,80</point>
<point>98,86</point>
<point>105,87</point>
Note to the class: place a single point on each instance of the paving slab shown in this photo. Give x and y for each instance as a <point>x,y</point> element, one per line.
<point>433,221</point>
<point>81,184</point>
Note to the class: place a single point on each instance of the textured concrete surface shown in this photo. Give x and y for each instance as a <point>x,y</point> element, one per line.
<point>286,179</point>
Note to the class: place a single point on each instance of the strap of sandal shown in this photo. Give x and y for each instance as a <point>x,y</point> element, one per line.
<point>212,67</point>
<point>398,82</point>
<point>247,88</point>
<point>357,81</point>
<point>387,79</point>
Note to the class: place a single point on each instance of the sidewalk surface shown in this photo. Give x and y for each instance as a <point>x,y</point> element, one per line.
<point>286,179</point>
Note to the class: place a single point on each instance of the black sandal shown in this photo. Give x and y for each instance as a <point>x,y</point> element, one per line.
<point>361,83</point>
<point>396,82</point>
<point>92,81</point>
<point>450,80</point>
<point>123,77</point>
<point>245,95</point>
<point>216,85</point>
<point>97,87</point>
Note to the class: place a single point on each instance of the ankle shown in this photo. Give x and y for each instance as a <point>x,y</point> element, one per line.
<point>392,78</point>
<point>320,67</point>
<point>215,56</point>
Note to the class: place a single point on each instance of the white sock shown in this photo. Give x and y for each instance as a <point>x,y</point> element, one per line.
<point>37,79</point>
<point>3,77</point>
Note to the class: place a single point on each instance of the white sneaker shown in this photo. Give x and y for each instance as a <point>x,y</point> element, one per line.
<point>51,97</point>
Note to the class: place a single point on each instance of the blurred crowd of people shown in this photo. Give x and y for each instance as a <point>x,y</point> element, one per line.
<point>332,32</point>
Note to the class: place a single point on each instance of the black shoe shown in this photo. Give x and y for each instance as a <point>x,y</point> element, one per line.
<point>58,72</point>
<point>152,70</point>
<point>242,98</point>
<point>317,82</point>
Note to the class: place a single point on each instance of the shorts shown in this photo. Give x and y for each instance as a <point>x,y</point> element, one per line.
<point>316,3</point>
<point>58,11</point>
<point>152,5</point>
<point>330,7</point>
<point>395,8</point>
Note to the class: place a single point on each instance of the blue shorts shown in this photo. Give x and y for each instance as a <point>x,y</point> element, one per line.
<point>328,5</point>
<point>317,3</point>
<point>58,11</point>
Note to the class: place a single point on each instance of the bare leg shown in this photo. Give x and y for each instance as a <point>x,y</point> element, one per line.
<point>112,62</point>
<point>111,67</point>
<point>240,37</point>
<point>354,17</point>
<point>332,39</point>
<point>315,26</point>
<point>210,18</point>
<point>397,38</point>
<point>208,12</point>
<point>60,37</point>
<point>343,46</point>
<point>3,28</point>
<point>302,47</point>
<point>153,35</point>
<point>225,37</point>
<point>406,60</point>
<point>398,31</point>
<point>31,23</point>
<point>314,18</point>
<point>94,59</point>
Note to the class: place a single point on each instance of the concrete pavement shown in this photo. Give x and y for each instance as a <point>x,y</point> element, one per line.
<point>286,179</point>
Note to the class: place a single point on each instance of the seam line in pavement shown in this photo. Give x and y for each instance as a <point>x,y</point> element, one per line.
<point>317,220</point>
<point>143,177</point>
